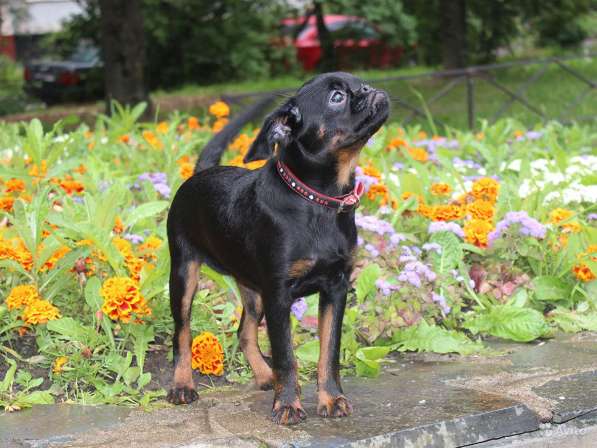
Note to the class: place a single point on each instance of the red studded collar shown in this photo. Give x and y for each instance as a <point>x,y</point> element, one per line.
<point>340,203</point>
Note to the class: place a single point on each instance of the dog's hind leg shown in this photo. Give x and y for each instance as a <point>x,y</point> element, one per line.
<point>247,337</point>
<point>183,285</point>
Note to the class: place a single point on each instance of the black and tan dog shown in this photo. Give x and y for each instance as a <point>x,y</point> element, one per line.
<point>283,231</point>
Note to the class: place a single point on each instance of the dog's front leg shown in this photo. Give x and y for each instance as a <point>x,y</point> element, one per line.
<point>287,408</point>
<point>331,400</point>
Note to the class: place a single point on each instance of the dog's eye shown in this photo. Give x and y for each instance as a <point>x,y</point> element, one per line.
<point>337,97</point>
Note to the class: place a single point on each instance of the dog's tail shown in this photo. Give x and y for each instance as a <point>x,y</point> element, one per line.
<point>212,152</point>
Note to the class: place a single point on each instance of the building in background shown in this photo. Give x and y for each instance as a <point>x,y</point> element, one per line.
<point>24,22</point>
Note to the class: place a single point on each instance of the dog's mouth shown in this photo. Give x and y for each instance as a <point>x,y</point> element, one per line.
<point>378,106</point>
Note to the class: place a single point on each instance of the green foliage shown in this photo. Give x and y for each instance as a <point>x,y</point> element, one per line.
<point>431,338</point>
<point>509,322</point>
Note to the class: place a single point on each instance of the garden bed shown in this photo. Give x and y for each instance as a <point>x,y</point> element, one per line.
<point>462,235</point>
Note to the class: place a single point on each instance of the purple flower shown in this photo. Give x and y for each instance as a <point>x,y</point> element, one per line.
<point>398,166</point>
<point>133,238</point>
<point>386,287</point>
<point>299,308</point>
<point>592,217</point>
<point>159,181</point>
<point>162,189</point>
<point>441,226</point>
<point>441,301</point>
<point>432,247</point>
<point>465,163</point>
<point>527,226</point>
<point>397,238</point>
<point>372,250</point>
<point>373,224</point>
<point>530,135</point>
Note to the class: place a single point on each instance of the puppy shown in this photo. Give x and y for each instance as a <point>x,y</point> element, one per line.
<point>284,231</point>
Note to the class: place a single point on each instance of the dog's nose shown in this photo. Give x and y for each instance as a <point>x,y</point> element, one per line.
<point>366,88</point>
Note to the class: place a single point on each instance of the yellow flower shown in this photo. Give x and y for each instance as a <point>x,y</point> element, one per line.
<point>486,188</point>
<point>421,135</point>
<point>122,298</point>
<point>441,189</point>
<point>15,249</point>
<point>557,215</point>
<point>481,209</point>
<point>207,354</point>
<point>40,311</point>
<point>219,124</point>
<point>186,170</point>
<point>446,212</point>
<point>58,364</point>
<point>583,273</point>
<point>163,127</point>
<point>571,227</point>
<point>370,170</point>
<point>219,109</point>
<point>476,232</point>
<point>21,296</point>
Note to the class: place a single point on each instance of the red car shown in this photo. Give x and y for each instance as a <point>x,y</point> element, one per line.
<point>357,42</point>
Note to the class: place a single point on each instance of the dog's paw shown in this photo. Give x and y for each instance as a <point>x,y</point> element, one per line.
<point>334,407</point>
<point>288,413</point>
<point>182,395</point>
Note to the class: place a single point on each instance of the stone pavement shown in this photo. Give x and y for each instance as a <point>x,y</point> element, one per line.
<point>537,395</point>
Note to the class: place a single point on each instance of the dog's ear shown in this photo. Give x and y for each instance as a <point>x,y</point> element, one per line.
<point>277,129</point>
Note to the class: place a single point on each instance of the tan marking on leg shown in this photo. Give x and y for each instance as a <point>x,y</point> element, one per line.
<point>183,374</point>
<point>300,267</point>
<point>248,340</point>
<point>323,367</point>
<point>347,161</point>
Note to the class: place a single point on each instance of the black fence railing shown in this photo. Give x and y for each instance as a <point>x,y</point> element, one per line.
<point>558,88</point>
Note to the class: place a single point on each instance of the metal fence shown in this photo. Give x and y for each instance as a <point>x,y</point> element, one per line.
<point>490,92</point>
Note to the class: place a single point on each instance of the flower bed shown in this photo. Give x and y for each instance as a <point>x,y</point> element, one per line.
<point>462,236</point>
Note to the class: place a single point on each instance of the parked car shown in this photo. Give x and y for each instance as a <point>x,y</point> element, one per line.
<point>357,42</point>
<point>78,77</point>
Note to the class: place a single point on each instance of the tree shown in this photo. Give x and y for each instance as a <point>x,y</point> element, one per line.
<point>453,23</point>
<point>123,50</point>
<point>328,53</point>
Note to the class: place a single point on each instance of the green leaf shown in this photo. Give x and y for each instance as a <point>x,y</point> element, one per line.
<point>365,284</point>
<point>431,338</point>
<point>308,352</point>
<point>36,397</point>
<point>572,321</point>
<point>92,294</point>
<point>145,211</point>
<point>451,253</point>
<point>367,360</point>
<point>551,289</point>
<point>143,380</point>
<point>509,322</point>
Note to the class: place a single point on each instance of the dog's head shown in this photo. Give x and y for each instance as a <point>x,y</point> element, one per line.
<point>328,121</point>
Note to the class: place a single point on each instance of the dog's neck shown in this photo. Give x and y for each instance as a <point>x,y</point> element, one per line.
<point>333,178</point>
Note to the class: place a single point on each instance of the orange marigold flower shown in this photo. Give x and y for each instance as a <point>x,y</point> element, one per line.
<point>193,123</point>
<point>151,243</point>
<point>418,154</point>
<point>186,170</point>
<point>152,139</point>
<point>56,256</point>
<point>518,133</point>
<point>480,135</point>
<point>59,364</point>
<point>207,354</point>
<point>421,135</point>
<point>370,170</point>
<point>441,189</point>
<point>219,124</point>
<point>87,134</point>
<point>447,212</point>
<point>124,138</point>
<point>219,109</point>
<point>486,188</point>
<point>71,187</point>
<point>40,311</point>
<point>38,172</point>
<point>481,209</point>
<point>21,296</point>
<point>583,273</point>
<point>379,190</point>
<point>118,225</point>
<point>81,169</point>
<point>557,215</point>
<point>476,232</point>
<point>6,203</point>
<point>16,250</point>
<point>14,186</point>
<point>242,143</point>
<point>122,299</point>
<point>396,143</point>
